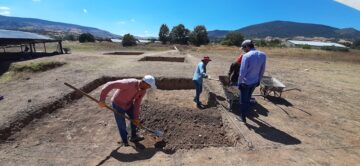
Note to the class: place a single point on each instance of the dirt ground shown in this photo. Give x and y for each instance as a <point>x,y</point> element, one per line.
<point>318,126</point>
<point>184,125</point>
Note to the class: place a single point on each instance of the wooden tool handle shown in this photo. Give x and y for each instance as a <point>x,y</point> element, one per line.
<point>97,101</point>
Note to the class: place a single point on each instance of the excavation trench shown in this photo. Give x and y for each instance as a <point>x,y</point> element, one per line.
<point>124,53</point>
<point>231,93</point>
<point>163,59</point>
<point>170,109</point>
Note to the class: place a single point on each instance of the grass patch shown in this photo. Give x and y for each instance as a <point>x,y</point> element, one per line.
<point>23,70</point>
<point>35,66</point>
<point>107,46</point>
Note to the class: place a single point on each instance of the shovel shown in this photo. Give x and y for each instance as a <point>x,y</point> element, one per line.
<point>210,78</point>
<point>157,133</point>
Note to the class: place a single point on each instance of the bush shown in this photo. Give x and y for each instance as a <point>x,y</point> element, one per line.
<point>128,40</point>
<point>199,36</point>
<point>86,37</point>
<point>333,48</point>
<point>274,43</point>
<point>306,46</point>
<point>233,39</point>
<point>70,37</point>
<point>356,44</point>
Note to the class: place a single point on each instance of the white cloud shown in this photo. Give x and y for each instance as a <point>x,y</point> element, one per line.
<point>36,0</point>
<point>85,11</point>
<point>5,11</point>
<point>120,22</point>
<point>351,3</point>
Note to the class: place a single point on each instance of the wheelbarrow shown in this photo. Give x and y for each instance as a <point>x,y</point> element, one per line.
<point>270,85</point>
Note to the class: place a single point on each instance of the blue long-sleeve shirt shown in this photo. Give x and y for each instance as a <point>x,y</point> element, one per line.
<point>200,72</point>
<point>252,67</point>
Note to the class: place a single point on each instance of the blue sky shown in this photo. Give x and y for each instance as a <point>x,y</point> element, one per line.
<point>144,17</point>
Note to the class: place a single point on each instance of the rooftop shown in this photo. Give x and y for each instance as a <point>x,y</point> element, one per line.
<point>316,43</point>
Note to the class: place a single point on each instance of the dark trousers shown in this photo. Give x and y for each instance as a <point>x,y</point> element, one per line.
<point>245,95</point>
<point>198,90</point>
<point>121,123</point>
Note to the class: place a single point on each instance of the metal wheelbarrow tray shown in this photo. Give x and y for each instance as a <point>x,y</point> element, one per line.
<point>270,84</point>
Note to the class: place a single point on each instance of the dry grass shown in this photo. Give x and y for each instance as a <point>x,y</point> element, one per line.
<point>98,46</point>
<point>21,70</point>
<point>104,46</point>
<point>353,56</point>
<point>35,66</point>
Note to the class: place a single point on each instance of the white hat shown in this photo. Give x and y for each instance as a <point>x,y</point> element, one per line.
<point>150,80</point>
<point>247,43</point>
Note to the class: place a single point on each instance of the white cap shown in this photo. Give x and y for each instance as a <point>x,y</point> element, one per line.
<point>246,43</point>
<point>150,80</point>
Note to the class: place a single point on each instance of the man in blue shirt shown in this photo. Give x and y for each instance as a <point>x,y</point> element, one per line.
<point>252,69</point>
<point>199,74</point>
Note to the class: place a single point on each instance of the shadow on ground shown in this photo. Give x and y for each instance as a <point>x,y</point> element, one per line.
<point>142,153</point>
<point>263,128</point>
<point>271,133</point>
<point>279,101</point>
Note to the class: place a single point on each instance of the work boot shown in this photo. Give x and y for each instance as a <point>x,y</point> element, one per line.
<point>242,119</point>
<point>136,138</point>
<point>199,105</point>
<point>124,143</point>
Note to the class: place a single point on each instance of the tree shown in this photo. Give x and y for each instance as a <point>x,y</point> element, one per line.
<point>356,44</point>
<point>128,40</point>
<point>179,35</point>
<point>274,43</point>
<point>199,36</point>
<point>164,34</point>
<point>86,37</point>
<point>70,37</point>
<point>233,38</point>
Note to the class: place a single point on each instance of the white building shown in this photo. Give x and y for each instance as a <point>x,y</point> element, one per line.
<point>313,43</point>
<point>137,41</point>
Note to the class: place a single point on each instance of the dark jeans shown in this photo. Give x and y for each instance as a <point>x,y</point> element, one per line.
<point>121,123</point>
<point>198,90</point>
<point>245,95</point>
